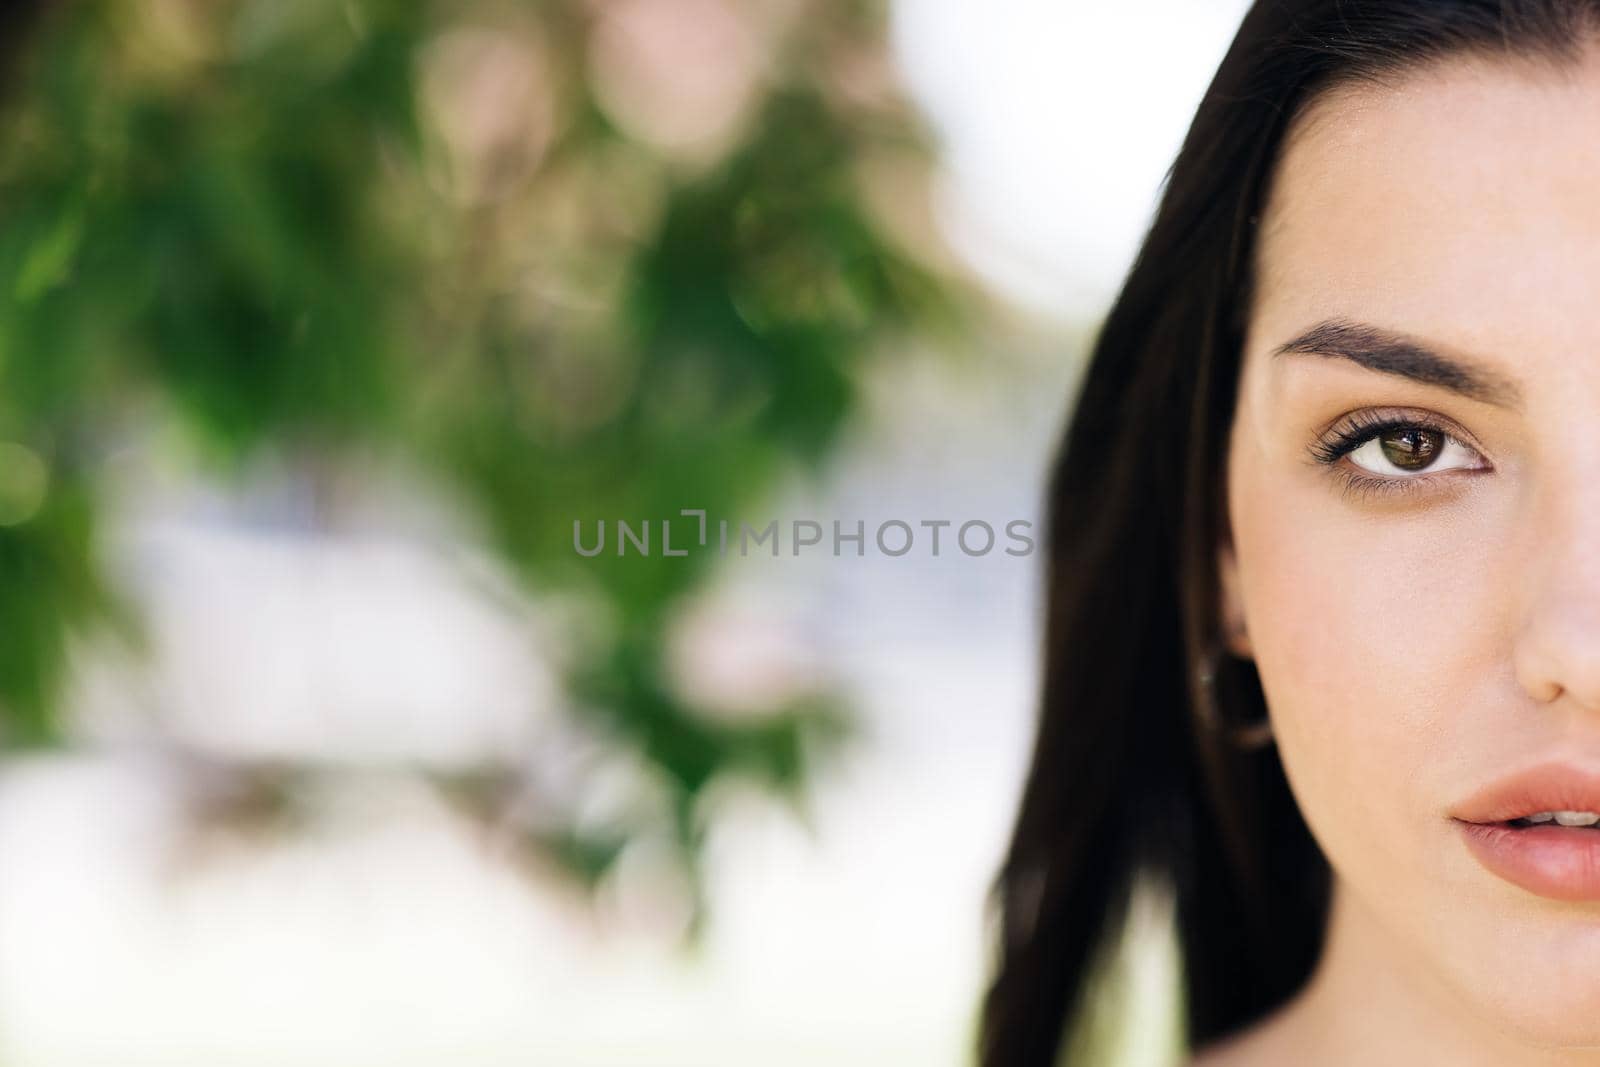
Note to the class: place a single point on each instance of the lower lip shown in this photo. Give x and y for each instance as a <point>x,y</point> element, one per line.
<point>1559,862</point>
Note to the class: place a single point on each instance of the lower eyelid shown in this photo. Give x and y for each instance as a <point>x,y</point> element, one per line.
<point>1364,485</point>
<point>1355,481</point>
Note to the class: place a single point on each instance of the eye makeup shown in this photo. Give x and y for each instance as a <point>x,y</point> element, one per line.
<point>1355,430</point>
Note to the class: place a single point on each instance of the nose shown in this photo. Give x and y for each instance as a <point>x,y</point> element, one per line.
<point>1558,651</point>
<point>1562,655</point>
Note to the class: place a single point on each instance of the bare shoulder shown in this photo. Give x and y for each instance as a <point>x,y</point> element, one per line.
<point>1266,1043</point>
<point>1226,1053</point>
<point>1230,1052</point>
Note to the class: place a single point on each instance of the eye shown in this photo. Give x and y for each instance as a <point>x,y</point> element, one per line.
<point>1393,452</point>
<point>1410,450</point>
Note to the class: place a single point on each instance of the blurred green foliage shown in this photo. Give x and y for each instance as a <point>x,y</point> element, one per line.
<point>476,236</point>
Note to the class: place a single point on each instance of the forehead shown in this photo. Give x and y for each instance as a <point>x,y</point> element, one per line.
<point>1461,198</point>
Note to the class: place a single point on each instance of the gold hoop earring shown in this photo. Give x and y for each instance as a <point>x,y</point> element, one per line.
<point>1246,736</point>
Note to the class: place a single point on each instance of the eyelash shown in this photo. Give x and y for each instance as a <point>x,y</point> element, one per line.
<point>1362,426</point>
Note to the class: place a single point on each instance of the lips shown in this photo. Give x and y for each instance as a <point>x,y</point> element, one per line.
<point>1550,860</point>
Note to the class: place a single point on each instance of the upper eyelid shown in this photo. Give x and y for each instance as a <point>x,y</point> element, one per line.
<point>1386,412</point>
<point>1355,427</point>
<point>1408,416</point>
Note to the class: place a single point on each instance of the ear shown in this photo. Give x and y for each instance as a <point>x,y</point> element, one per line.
<point>1235,627</point>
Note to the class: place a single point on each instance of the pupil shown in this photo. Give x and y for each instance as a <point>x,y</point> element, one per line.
<point>1412,447</point>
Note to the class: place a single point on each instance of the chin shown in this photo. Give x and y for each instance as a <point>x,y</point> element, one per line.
<point>1550,998</point>
<point>1560,1024</point>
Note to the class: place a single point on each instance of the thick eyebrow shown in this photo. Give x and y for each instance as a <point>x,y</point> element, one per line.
<point>1391,352</point>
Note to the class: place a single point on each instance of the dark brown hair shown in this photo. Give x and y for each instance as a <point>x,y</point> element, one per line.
<point>1128,785</point>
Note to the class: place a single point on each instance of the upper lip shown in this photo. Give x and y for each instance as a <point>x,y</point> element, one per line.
<point>1550,786</point>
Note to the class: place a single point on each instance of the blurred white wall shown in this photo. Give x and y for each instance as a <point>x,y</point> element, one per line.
<point>1059,121</point>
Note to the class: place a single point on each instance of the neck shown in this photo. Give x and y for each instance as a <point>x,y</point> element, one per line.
<point>1368,1001</point>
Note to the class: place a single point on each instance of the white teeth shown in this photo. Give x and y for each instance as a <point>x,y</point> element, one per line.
<point>1565,818</point>
<point>1576,818</point>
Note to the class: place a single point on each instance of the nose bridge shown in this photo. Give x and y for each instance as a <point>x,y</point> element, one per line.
<point>1558,653</point>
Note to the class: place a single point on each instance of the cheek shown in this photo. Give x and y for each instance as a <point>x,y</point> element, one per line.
<point>1365,629</point>
<point>1382,645</point>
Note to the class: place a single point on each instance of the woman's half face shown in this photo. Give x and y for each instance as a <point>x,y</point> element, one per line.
<point>1414,501</point>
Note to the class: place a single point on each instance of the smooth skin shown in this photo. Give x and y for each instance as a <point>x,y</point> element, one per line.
<point>1414,646</point>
